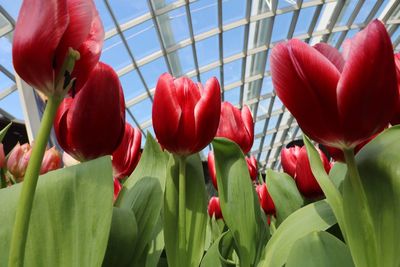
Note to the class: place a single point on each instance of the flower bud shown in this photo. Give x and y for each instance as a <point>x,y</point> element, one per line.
<point>252,166</point>
<point>266,202</point>
<point>51,160</point>
<point>214,208</point>
<point>18,161</point>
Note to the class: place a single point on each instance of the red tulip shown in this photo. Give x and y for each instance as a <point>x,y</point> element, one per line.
<point>305,180</point>
<point>396,118</point>
<point>237,126</point>
<point>252,166</point>
<point>43,33</point>
<point>338,100</point>
<point>92,123</point>
<point>266,202</point>
<point>214,208</point>
<point>51,161</point>
<point>18,161</point>
<point>127,155</point>
<point>185,116</point>
<point>289,159</point>
<point>117,189</point>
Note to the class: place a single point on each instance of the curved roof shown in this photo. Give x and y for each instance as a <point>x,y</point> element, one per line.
<point>229,39</point>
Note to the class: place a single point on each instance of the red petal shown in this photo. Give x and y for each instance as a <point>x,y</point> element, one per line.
<point>289,159</point>
<point>396,118</point>
<point>38,32</point>
<point>306,82</point>
<point>332,54</point>
<point>249,127</point>
<point>367,90</point>
<point>211,169</point>
<point>61,125</point>
<point>166,112</point>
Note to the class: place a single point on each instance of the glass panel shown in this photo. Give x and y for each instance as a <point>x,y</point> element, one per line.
<point>5,82</point>
<point>232,71</point>
<point>126,10</point>
<point>186,60</point>
<point>281,27</point>
<point>256,144</point>
<point>257,34</point>
<point>277,104</point>
<point>142,39</point>
<point>204,15</point>
<point>211,73</point>
<point>233,10</point>
<point>142,110</point>
<point>173,26</point>
<point>232,96</point>
<point>114,53</point>
<point>396,34</point>
<point>132,85</point>
<point>286,3</point>
<point>259,126</point>
<point>207,50</point>
<point>233,41</point>
<point>272,122</point>
<point>12,105</point>
<point>263,107</point>
<point>12,7</point>
<point>6,54</point>
<point>267,86</point>
<point>160,4</point>
<point>260,7</point>
<point>153,70</point>
<point>304,20</point>
<point>108,23</point>
<point>346,12</point>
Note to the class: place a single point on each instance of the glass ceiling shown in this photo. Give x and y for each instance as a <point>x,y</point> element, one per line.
<point>229,39</point>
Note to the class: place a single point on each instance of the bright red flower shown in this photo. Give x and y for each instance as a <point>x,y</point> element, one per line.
<point>117,189</point>
<point>51,161</point>
<point>338,100</point>
<point>305,180</point>
<point>214,208</point>
<point>396,118</point>
<point>127,155</point>
<point>43,33</point>
<point>289,159</point>
<point>252,166</point>
<point>237,126</point>
<point>92,123</point>
<point>185,116</point>
<point>266,202</point>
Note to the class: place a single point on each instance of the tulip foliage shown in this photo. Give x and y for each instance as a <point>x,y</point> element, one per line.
<point>120,206</point>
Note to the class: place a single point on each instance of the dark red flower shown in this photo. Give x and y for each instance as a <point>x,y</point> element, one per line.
<point>266,202</point>
<point>214,208</point>
<point>396,118</point>
<point>185,116</point>
<point>252,166</point>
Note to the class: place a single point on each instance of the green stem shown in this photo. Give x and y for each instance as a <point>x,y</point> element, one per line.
<point>24,206</point>
<point>358,189</point>
<point>182,211</point>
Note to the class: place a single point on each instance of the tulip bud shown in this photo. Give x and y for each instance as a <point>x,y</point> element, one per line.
<point>214,208</point>
<point>305,180</point>
<point>117,189</point>
<point>44,32</point>
<point>51,161</point>
<point>252,166</point>
<point>237,126</point>
<point>92,123</point>
<point>127,155</point>
<point>266,202</point>
<point>2,156</point>
<point>185,116</point>
<point>18,161</point>
<point>289,159</point>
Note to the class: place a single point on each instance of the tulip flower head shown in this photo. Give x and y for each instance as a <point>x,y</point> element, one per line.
<point>338,100</point>
<point>396,118</point>
<point>18,161</point>
<point>51,161</point>
<point>266,202</point>
<point>185,115</point>
<point>44,33</point>
<point>92,123</point>
<point>214,208</point>
<point>304,178</point>
<point>127,155</point>
<point>289,159</point>
<point>237,126</point>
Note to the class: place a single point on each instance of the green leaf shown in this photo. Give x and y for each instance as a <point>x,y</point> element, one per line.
<point>3,131</point>
<point>317,216</point>
<point>331,192</point>
<point>239,202</point>
<point>71,216</point>
<point>283,191</point>
<point>219,252</point>
<point>143,194</point>
<point>122,238</point>
<point>337,175</point>
<point>379,168</point>
<point>196,212</point>
<point>319,249</point>
<point>156,246</point>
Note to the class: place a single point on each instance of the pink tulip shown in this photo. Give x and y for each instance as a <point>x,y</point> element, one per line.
<point>185,116</point>
<point>18,161</point>
<point>237,126</point>
<point>92,123</point>
<point>43,33</point>
<point>214,208</point>
<point>266,202</point>
<point>127,155</point>
<point>289,159</point>
<point>51,161</point>
<point>339,100</point>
